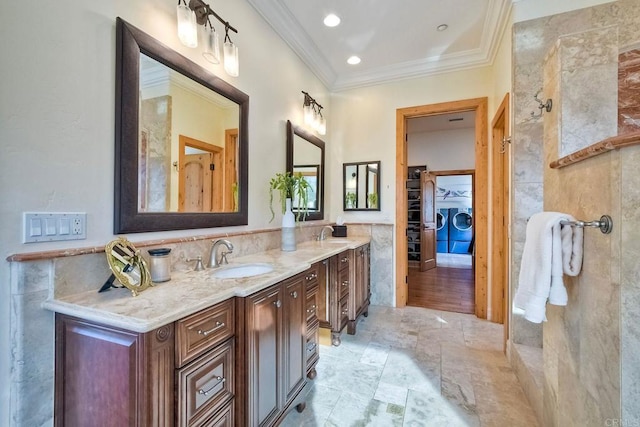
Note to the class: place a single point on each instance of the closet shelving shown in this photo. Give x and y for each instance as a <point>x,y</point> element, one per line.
<point>414,209</point>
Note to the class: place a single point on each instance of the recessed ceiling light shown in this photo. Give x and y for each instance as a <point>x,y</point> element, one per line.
<point>442,27</point>
<point>331,20</point>
<point>353,60</point>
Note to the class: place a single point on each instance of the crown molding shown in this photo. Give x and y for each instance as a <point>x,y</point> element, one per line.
<point>280,18</point>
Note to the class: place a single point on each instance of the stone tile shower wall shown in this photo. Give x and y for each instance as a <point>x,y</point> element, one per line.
<point>629,95</point>
<point>590,352</point>
<point>532,41</point>
<point>581,357</point>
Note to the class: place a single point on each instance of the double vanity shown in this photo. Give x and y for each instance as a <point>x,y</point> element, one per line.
<point>230,346</point>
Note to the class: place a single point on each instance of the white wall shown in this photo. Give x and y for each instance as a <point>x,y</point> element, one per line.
<point>525,10</point>
<point>57,109</point>
<point>363,126</point>
<point>442,150</point>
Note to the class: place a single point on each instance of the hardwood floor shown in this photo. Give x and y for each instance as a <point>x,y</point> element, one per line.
<point>442,288</point>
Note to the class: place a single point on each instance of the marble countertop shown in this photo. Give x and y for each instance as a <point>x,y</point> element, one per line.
<point>191,291</point>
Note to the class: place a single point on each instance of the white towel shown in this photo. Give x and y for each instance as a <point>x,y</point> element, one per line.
<point>550,249</point>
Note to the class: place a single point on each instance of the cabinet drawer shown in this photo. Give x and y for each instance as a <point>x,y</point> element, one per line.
<point>343,283</point>
<point>311,307</point>
<point>311,275</point>
<point>343,313</point>
<point>311,348</point>
<point>224,418</point>
<point>205,386</point>
<point>343,260</point>
<point>202,331</point>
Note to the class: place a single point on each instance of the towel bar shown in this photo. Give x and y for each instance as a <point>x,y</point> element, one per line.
<point>605,224</point>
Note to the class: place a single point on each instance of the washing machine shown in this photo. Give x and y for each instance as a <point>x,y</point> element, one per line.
<point>460,230</point>
<point>442,230</point>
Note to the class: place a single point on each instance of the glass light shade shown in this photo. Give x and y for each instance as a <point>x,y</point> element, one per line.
<point>308,114</point>
<point>210,44</point>
<point>322,127</point>
<point>315,122</point>
<point>231,62</point>
<point>187,26</point>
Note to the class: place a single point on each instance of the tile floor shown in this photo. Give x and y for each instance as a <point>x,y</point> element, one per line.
<point>416,367</point>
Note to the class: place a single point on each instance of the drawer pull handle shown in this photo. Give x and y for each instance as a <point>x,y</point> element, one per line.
<point>294,294</point>
<point>311,310</point>
<point>345,283</point>
<point>206,392</point>
<point>210,331</point>
<point>311,346</point>
<point>345,259</point>
<point>345,311</point>
<point>311,276</point>
<point>277,303</point>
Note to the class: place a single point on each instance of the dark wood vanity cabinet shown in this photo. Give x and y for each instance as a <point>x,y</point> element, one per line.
<point>345,293</point>
<point>109,376</point>
<point>274,355</point>
<point>312,287</point>
<point>244,361</point>
<point>181,374</point>
<point>360,293</point>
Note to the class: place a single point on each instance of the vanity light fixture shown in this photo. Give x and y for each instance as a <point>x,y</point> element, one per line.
<point>195,13</point>
<point>313,114</point>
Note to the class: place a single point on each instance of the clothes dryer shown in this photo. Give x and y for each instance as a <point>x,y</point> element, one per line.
<point>442,230</point>
<point>460,230</point>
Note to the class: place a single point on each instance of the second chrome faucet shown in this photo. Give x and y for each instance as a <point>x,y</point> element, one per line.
<point>214,260</point>
<point>322,235</point>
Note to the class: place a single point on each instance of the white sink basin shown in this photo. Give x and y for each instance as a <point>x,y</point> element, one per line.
<point>244,270</point>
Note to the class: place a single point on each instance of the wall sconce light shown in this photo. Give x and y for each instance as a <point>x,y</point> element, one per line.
<point>313,114</point>
<point>197,13</point>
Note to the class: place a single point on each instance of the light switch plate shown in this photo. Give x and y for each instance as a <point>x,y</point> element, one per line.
<point>54,226</point>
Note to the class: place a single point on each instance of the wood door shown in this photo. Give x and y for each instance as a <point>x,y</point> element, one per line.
<point>208,195</point>
<point>428,219</point>
<point>295,336</point>
<point>230,170</point>
<point>195,183</point>
<point>500,225</point>
<point>264,331</point>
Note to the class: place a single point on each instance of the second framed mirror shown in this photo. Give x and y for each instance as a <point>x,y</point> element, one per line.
<point>305,155</point>
<point>361,186</point>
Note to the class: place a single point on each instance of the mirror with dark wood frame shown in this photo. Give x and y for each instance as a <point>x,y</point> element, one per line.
<point>181,144</point>
<point>305,154</point>
<point>361,186</point>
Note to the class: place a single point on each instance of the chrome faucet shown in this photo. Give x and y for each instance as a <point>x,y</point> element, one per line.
<point>214,261</point>
<point>322,236</point>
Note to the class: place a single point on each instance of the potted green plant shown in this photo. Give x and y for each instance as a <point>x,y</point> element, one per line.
<point>293,187</point>
<point>373,200</point>
<point>350,199</point>
<point>289,187</point>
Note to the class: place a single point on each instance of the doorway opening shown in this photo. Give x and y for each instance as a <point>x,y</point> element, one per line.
<point>480,199</point>
<point>449,284</point>
<point>199,182</point>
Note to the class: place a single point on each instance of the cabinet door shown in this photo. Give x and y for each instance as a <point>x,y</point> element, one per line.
<point>264,331</point>
<point>112,377</point>
<point>294,334</point>
<point>428,217</point>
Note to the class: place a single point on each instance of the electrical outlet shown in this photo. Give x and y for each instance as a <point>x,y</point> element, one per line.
<point>54,226</point>
<point>77,226</point>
